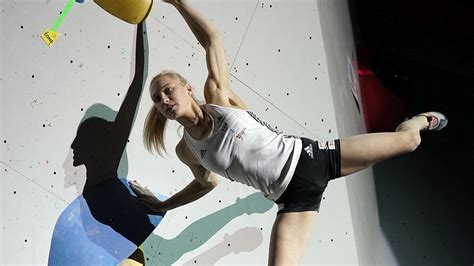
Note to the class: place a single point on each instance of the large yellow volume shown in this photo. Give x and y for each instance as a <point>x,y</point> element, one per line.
<point>131,11</point>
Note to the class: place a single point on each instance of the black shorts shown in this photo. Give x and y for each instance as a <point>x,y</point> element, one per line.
<point>319,162</point>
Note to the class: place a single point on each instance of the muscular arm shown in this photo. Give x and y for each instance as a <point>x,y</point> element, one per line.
<point>217,88</point>
<point>203,183</point>
<point>193,191</point>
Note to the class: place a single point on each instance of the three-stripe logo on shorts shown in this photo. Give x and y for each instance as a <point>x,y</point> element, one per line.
<point>309,150</point>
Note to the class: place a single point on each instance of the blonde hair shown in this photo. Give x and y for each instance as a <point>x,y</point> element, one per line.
<point>155,122</point>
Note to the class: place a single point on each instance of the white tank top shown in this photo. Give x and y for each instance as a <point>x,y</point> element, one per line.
<point>245,149</point>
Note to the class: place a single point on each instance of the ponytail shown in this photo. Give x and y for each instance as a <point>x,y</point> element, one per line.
<point>153,132</point>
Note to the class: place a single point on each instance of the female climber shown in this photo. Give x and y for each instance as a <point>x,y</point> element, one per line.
<point>222,137</point>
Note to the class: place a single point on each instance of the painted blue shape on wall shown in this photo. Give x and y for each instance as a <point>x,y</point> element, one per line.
<point>103,226</point>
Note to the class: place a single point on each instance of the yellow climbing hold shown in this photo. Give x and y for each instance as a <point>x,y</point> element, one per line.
<point>131,11</point>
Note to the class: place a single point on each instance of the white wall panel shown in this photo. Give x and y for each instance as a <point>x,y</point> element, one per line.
<point>278,64</point>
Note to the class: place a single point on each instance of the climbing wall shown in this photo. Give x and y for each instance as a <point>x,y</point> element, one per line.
<point>282,65</point>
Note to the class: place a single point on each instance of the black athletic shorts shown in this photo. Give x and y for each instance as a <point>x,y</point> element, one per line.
<point>319,162</point>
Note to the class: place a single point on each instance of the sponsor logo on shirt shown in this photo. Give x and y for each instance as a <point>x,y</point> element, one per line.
<point>241,134</point>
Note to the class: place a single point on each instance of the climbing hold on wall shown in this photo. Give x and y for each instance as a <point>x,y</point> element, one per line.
<point>131,11</point>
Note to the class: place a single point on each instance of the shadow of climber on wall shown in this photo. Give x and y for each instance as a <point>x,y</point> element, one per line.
<point>106,223</point>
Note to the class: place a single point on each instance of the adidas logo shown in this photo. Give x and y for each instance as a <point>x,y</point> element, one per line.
<point>203,152</point>
<point>309,150</point>
<point>225,127</point>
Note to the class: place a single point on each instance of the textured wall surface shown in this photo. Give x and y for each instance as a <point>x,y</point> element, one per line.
<point>371,244</point>
<point>279,66</point>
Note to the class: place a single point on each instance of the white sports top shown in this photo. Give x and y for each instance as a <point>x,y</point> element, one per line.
<point>245,149</point>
